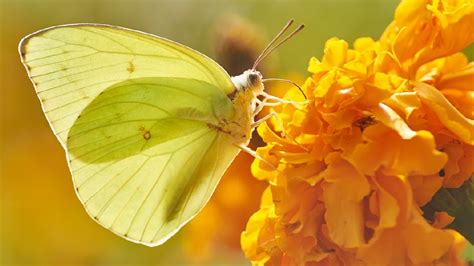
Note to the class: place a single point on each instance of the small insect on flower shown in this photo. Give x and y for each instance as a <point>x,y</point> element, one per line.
<point>149,126</point>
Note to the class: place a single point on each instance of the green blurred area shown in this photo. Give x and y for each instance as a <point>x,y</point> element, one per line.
<point>42,222</point>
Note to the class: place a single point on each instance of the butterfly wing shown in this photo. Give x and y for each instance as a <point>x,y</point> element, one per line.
<point>145,157</point>
<point>71,64</point>
<point>143,147</point>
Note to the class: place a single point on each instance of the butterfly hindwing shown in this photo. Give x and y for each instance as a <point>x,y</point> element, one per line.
<point>145,158</point>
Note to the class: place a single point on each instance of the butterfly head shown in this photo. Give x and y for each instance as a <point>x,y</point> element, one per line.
<point>249,80</point>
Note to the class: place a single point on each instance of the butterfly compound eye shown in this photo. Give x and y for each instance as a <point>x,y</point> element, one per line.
<point>254,78</point>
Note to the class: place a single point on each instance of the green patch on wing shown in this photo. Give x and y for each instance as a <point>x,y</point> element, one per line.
<point>135,115</point>
<point>144,158</point>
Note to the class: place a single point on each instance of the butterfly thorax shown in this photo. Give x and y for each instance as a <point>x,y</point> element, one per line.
<point>247,87</point>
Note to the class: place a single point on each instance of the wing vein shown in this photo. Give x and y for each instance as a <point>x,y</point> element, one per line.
<point>149,193</point>
<point>130,102</point>
<point>110,200</point>
<point>79,73</point>
<point>187,196</point>
<point>49,56</point>
<point>106,37</point>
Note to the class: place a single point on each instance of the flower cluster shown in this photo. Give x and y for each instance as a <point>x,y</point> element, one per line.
<point>389,124</point>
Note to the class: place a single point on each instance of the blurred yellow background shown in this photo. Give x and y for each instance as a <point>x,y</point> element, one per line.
<point>41,220</point>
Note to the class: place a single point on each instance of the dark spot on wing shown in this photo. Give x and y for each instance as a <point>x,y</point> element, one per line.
<point>147,135</point>
<point>131,67</point>
<point>141,129</point>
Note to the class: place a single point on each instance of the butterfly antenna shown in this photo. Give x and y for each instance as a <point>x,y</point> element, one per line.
<point>272,46</point>
<point>287,81</point>
<point>288,24</point>
<point>283,41</point>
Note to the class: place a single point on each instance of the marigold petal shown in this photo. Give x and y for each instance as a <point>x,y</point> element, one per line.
<point>460,166</point>
<point>325,84</point>
<point>356,67</point>
<point>391,119</point>
<point>315,66</point>
<point>404,103</point>
<point>263,170</point>
<point>351,183</point>
<point>345,140</point>
<point>418,233</point>
<point>424,187</point>
<point>384,148</point>
<point>442,219</point>
<point>452,72</point>
<point>336,52</point>
<point>342,119</point>
<point>250,238</point>
<point>460,243</point>
<point>447,114</point>
<point>309,172</point>
<point>364,44</point>
<point>461,79</point>
<point>346,228</point>
<point>385,248</point>
<point>387,63</point>
<point>395,199</point>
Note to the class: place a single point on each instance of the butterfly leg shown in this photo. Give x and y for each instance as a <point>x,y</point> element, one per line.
<point>256,156</point>
<point>264,103</point>
<point>260,106</point>
<point>280,125</point>
<point>281,101</point>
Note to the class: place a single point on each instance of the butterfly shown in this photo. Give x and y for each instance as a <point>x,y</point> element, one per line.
<point>149,125</point>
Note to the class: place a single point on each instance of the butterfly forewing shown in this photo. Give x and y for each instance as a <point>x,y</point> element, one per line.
<point>71,64</point>
<point>137,115</point>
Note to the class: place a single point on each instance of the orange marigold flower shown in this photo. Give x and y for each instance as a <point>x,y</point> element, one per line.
<point>389,124</point>
<point>424,30</point>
